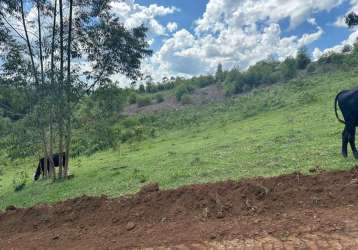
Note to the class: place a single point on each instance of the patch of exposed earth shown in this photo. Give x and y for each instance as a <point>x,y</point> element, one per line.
<point>200,96</point>
<point>294,211</point>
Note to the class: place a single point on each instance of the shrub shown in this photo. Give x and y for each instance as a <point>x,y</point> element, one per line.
<point>141,88</point>
<point>289,68</point>
<point>127,135</point>
<point>229,89</point>
<point>331,57</point>
<point>182,90</point>
<point>302,59</point>
<point>311,68</point>
<point>186,99</point>
<point>132,98</point>
<point>204,81</point>
<point>159,98</point>
<point>131,122</point>
<point>143,101</point>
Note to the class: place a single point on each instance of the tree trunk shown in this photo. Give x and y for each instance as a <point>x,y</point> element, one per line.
<point>28,42</point>
<point>52,85</point>
<point>47,155</point>
<point>40,43</point>
<point>61,96</point>
<point>52,165</point>
<point>60,162</point>
<point>68,92</point>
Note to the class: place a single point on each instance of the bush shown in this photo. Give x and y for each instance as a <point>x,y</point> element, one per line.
<point>130,134</point>
<point>182,90</point>
<point>141,88</point>
<point>331,57</point>
<point>311,68</point>
<point>159,98</point>
<point>186,99</point>
<point>289,68</point>
<point>132,98</point>
<point>131,122</point>
<point>204,81</point>
<point>302,59</point>
<point>229,89</point>
<point>143,101</point>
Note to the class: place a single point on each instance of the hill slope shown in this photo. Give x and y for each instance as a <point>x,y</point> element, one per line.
<point>270,131</point>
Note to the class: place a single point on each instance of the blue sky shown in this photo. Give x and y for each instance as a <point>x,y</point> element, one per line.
<point>190,37</point>
<point>190,11</point>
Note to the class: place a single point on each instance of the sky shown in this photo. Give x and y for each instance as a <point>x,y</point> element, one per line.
<point>191,37</point>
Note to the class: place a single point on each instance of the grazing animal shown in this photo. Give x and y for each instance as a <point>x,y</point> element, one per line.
<point>347,101</point>
<point>41,166</point>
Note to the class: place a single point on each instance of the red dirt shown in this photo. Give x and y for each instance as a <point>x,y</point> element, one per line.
<point>292,210</point>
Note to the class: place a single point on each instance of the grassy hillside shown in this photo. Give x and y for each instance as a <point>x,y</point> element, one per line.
<point>270,131</point>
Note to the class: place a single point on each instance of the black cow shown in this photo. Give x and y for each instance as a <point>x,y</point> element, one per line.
<point>348,103</point>
<point>41,166</point>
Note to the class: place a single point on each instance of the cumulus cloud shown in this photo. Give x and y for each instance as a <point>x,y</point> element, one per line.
<point>172,26</point>
<point>247,12</point>
<point>317,53</point>
<point>133,14</point>
<point>340,21</point>
<point>237,34</point>
<point>351,40</point>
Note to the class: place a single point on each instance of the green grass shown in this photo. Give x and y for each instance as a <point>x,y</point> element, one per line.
<point>271,131</point>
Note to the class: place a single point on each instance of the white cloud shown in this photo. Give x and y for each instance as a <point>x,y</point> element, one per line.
<point>317,53</point>
<point>231,32</point>
<point>312,21</point>
<point>133,15</point>
<point>247,12</point>
<point>309,38</point>
<point>237,34</point>
<point>340,21</point>
<point>338,48</point>
<point>172,26</point>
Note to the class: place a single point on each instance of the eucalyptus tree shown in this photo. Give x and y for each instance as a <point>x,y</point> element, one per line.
<point>60,50</point>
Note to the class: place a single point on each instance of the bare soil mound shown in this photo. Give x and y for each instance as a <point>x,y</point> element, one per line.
<point>285,207</point>
<point>201,96</point>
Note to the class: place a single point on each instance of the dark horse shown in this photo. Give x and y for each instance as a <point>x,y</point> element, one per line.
<point>41,166</point>
<point>348,103</point>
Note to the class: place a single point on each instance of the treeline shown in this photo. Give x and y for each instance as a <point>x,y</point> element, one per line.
<point>236,81</point>
<point>270,72</point>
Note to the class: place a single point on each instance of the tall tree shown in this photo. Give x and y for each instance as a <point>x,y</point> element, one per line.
<point>219,76</point>
<point>95,37</point>
<point>302,58</point>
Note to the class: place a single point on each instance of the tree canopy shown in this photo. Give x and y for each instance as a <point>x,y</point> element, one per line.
<point>55,51</point>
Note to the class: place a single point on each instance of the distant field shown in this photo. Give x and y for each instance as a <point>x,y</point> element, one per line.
<point>270,131</point>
